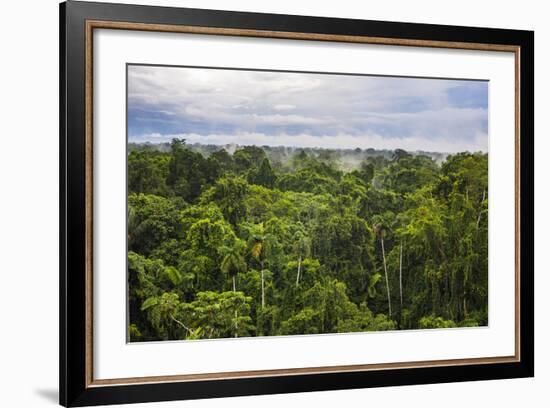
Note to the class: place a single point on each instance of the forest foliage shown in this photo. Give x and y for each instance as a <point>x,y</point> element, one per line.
<point>268,241</point>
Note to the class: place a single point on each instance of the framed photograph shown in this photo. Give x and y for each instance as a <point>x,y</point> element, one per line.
<point>257,203</point>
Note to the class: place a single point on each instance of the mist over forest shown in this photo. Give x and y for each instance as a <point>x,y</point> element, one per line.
<point>279,156</point>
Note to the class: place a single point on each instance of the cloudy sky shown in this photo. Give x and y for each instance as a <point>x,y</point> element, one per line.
<point>216,106</point>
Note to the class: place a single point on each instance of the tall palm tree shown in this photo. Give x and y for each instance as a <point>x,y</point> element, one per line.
<point>401,276</point>
<point>399,227</point>
<point>258,253</point>
<point>261,249</point>
<point>233,263</point>
<point>380,229</point>
<point>302,248</point>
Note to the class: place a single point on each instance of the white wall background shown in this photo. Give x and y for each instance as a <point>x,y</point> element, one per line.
<point>29,204</point>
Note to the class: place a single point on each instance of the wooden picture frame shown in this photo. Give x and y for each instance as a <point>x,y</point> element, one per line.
<point>78,20</point>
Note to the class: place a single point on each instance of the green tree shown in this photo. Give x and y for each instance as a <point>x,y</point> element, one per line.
<point>263,176</point>
<point>380,225</point>
<point>214,315</point>
<point>302,249</point>
<point>233,262</point>
<point>152,220</point>
<point>229,194</point>
<point>147,172</point>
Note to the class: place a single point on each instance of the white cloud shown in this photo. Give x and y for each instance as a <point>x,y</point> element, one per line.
<point>283,106</point>
<point>320,109</point>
